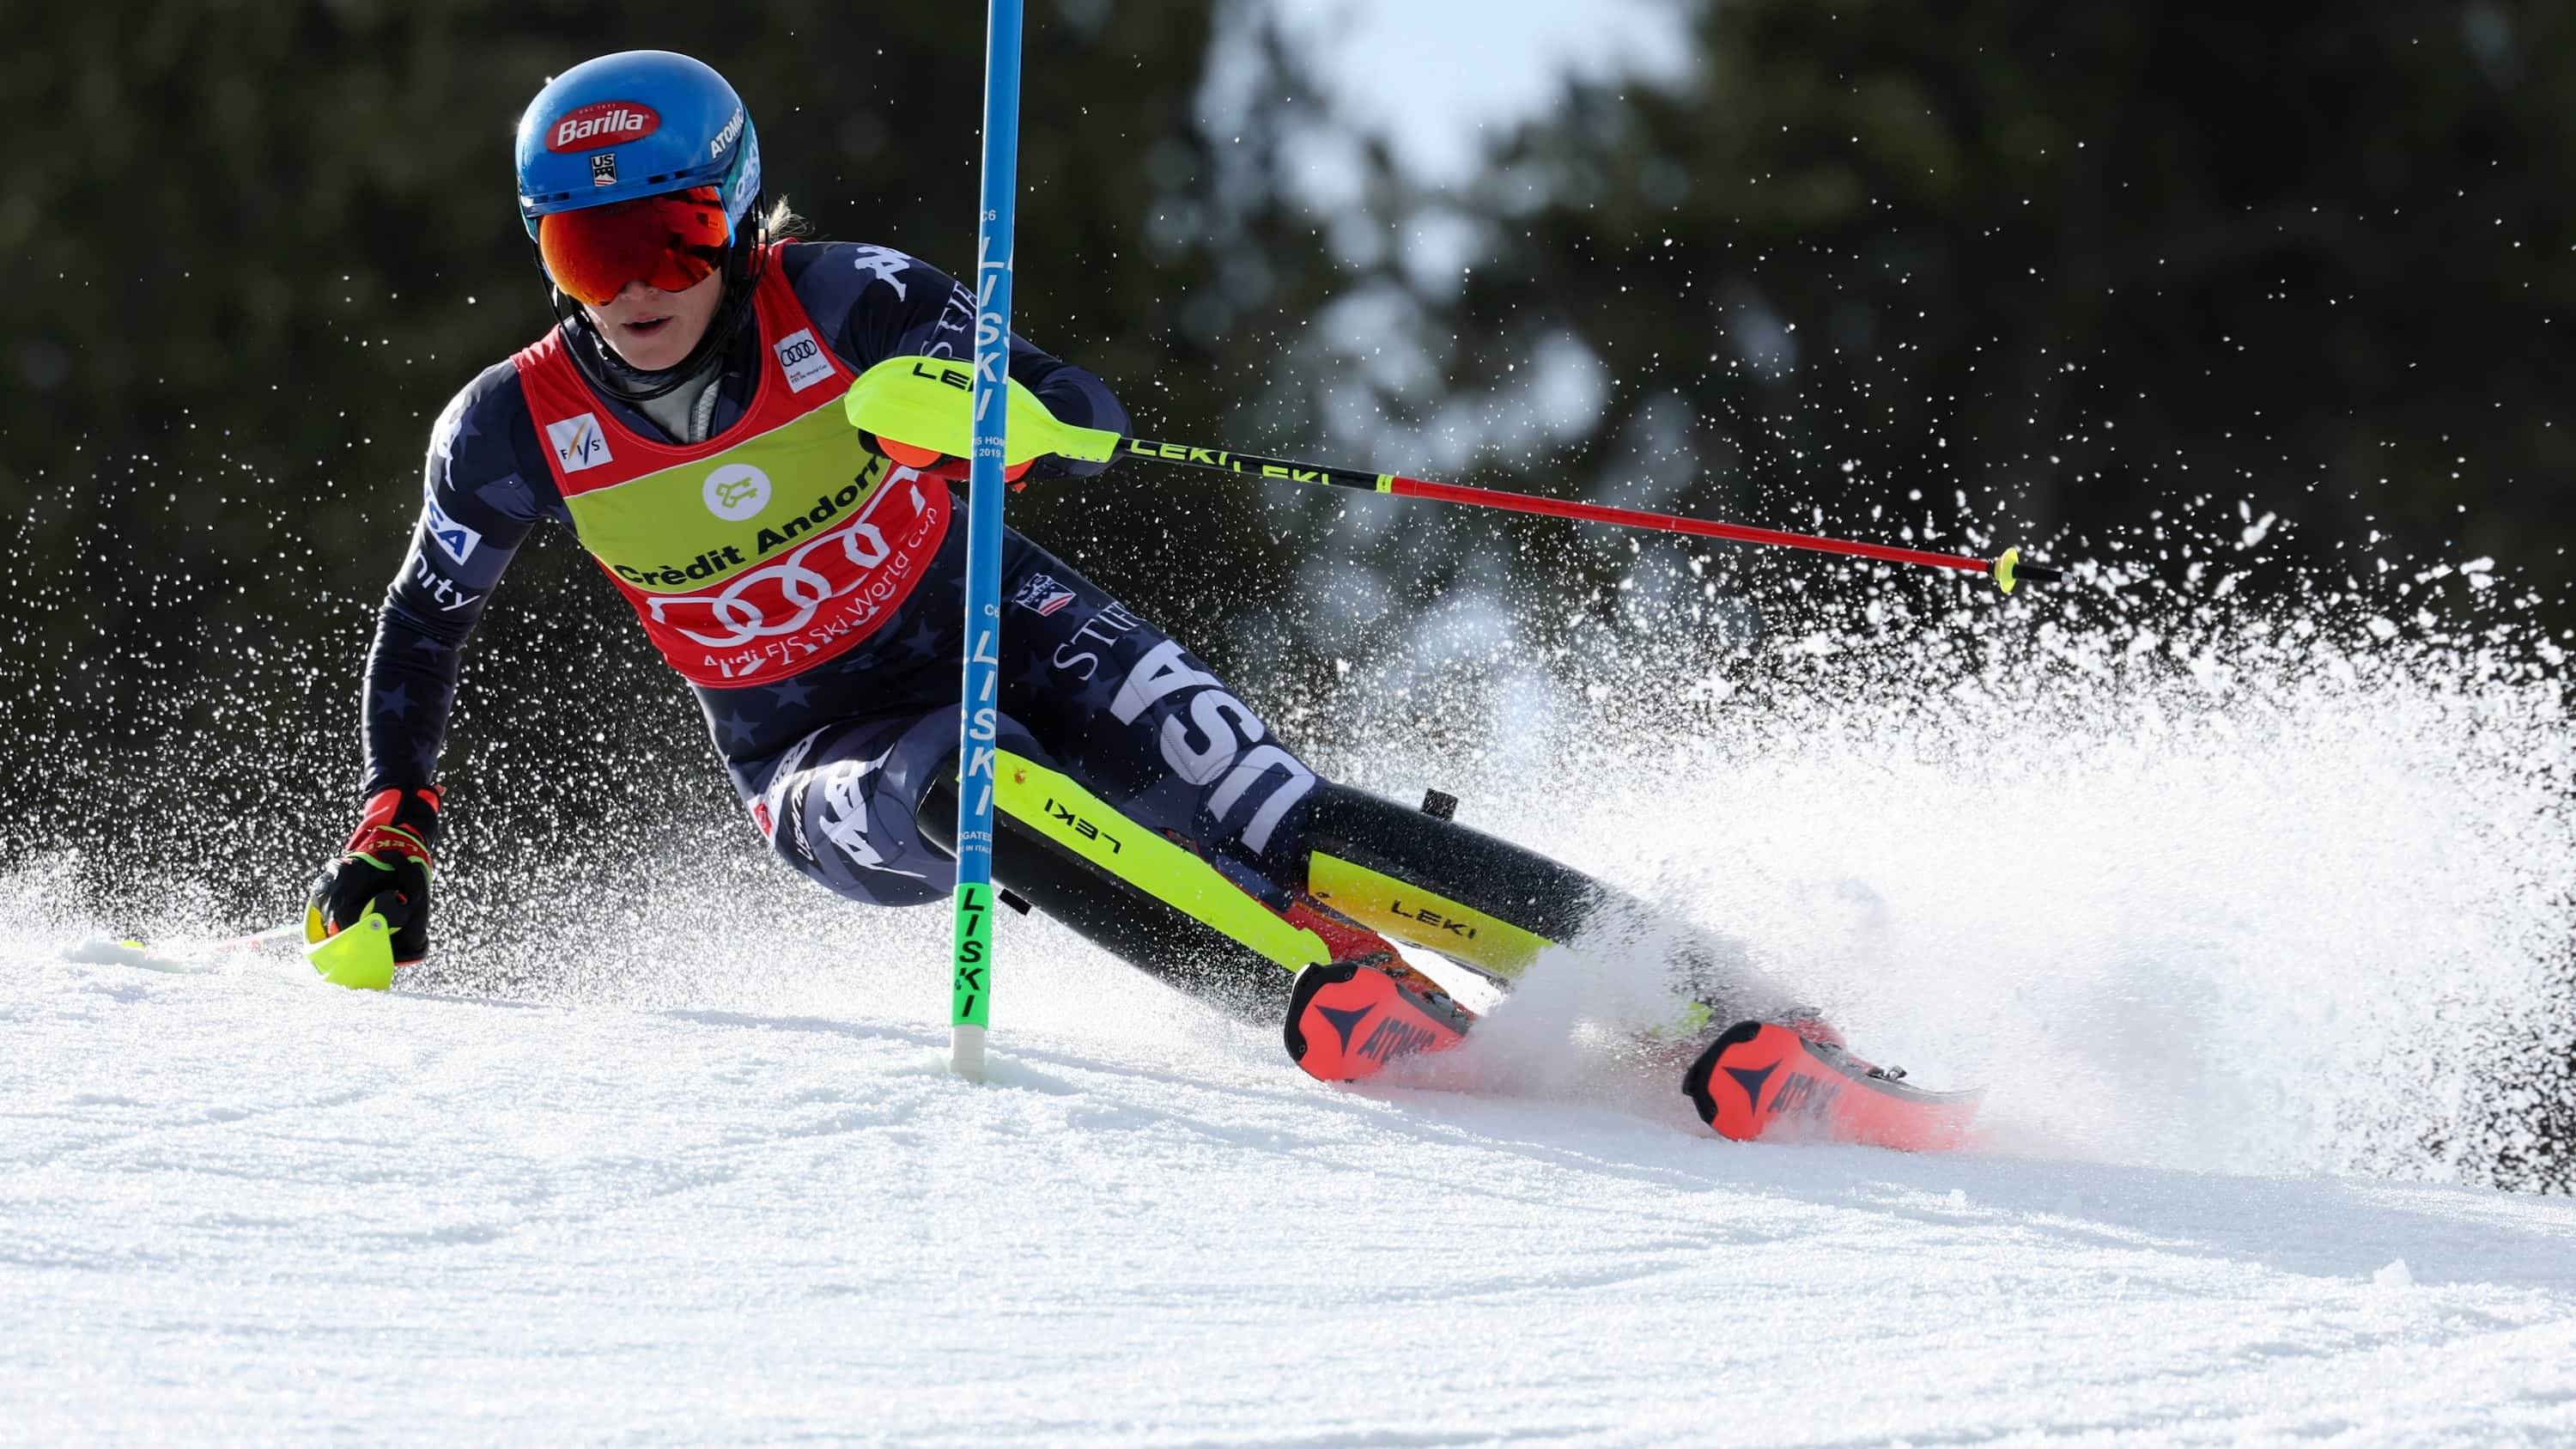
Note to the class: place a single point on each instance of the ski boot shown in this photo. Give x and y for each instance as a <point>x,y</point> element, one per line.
<point>1793,1078</point>
<point>1365,1008</point>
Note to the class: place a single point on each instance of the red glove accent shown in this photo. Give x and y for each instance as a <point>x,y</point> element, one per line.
<point>402,822</point>
<point>386,866</point>
<point>909,456</point>
<point>940,465</point>
<point>1347,940</point>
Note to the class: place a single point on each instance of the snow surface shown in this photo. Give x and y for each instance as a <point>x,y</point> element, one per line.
<point>2252,921</point>
<point>2252,914</point>
<point>239,1207</point>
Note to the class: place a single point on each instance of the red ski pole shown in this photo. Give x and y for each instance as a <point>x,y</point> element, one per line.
<point>2007,569</point>
<point>914,401</point>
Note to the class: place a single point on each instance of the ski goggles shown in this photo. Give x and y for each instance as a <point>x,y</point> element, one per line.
<point>671,242</point>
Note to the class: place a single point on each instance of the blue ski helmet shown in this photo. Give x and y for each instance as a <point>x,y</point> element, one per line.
<point>636,124</point>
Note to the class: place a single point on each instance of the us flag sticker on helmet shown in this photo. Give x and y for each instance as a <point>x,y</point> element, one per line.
<point>603,168</point>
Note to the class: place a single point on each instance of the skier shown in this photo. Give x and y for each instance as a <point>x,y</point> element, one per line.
<point>684,419</point>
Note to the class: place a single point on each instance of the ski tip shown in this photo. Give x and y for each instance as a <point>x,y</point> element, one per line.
<point>123,951</point>
<point>106,951</point>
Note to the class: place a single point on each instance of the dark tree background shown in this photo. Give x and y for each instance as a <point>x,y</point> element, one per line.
<point>1888,266</point>
<point>2071,263</point>
<point>2074,262</point>
<point>258,246</point>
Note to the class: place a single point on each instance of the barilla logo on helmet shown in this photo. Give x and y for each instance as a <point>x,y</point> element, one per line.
<point>602,123</point>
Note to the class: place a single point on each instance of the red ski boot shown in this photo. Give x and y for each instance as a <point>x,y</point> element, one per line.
<point>1796,1081</point>
<point>1347,1020</point>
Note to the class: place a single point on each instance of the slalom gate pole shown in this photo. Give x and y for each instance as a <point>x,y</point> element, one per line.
<point>970,979</point>
<point>2007,569</point>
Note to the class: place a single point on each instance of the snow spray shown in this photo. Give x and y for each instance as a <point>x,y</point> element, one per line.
<point>2183,876</point>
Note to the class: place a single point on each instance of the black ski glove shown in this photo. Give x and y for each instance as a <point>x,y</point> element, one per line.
<point>386,866</point>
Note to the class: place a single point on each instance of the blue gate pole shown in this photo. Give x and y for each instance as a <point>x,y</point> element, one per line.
<point>971,982</point>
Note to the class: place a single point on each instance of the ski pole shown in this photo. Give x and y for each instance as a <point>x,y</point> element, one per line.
<point>2006,569</point>
<point>910,400</point>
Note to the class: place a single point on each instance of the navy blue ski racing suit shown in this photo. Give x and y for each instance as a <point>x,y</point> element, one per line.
<point>832,760</point>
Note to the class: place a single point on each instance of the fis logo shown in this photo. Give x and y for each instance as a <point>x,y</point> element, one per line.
<point>603,123</point>
<point>1041,594</point>
<point>578,442</point>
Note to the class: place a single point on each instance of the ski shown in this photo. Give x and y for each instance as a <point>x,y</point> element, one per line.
<point>1761,1080</point>
<point>360,957</point>
<point>1349,1019</point>
<point>186,958</point>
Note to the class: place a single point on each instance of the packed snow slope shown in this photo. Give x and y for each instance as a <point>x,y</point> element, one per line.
<point>240,1207</point>
<point>2253,915</point>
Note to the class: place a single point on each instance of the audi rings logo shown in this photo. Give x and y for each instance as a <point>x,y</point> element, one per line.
<point>778,599</point>
<point>737,491</point>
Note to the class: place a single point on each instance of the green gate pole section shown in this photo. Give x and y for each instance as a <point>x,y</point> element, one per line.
<point>970,1001</point>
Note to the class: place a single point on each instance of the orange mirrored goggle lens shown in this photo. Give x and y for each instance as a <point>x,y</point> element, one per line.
<point>670,242</point>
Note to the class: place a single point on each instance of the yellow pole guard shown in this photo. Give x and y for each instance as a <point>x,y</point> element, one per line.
<point>923,402</point>
<point>361,956</point>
